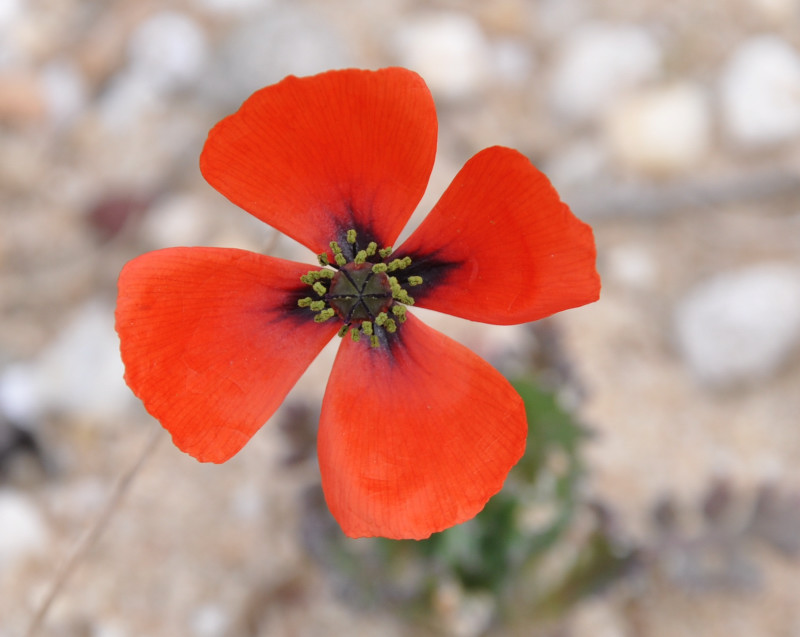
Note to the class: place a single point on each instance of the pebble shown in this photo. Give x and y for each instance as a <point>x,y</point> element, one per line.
<point>760,93</point>
<point>65,91</point>
<point>449,49</point>
<point>596,64</point>
<point>740,326</point>
<point>169,50</point>
<point>80,373</point>
<point>268,46</point>
<point>665,130</point>
<point>777,10</point>
<point>22,530</point>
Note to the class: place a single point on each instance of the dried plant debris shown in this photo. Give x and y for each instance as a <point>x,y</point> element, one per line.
<point>712,545</point>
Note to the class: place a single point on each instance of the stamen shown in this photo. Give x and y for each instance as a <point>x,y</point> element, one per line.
<point>351,236</point>
<point>374,342</point>
<point>385,252</point>
<point>319,288</point>
<point>379,267</point>
<point>340,260</point>
<point>323,259</point>
<point>361,257</point>
<point>399,264</point>
<point>414,280</point>
<point>355,334</point>
<point>381,319</point>
<point>304,302</point>
<point>335,248</point>
<point>317,306</point>
<point>390,326</point>
<point>366,327</point>
<point>324,315</point>
<point>399,312</point>
<point>371,248</point>
<point>343,330</point>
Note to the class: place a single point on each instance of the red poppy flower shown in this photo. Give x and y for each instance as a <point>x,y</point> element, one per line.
<point>416,431</point>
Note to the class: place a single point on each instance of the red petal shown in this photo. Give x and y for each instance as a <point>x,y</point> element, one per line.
<point>416,437</point>
<point>316,156</point>
<point>500,246</point>
<point>213,340</point>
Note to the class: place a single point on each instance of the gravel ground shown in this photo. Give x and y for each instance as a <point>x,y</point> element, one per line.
<point>673,128</point>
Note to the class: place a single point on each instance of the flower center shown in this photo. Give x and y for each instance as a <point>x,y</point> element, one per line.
<point>365,291</point>
<point>357,293</point>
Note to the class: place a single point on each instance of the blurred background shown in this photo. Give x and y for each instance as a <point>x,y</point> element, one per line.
<point>661,491</point>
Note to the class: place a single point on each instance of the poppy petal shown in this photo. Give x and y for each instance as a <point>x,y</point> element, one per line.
<point>317,156</point>
<point>416,436</point>
<point>500,246</point>
<point>212,341</point>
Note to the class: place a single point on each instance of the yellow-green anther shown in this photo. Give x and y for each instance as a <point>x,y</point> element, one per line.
<point>351,236</point>
<point>399,264</point>
<point>374,342</point>
<point>355,334</point>
<point>324,315</point>
<point>340,260</point>
<point>400,312</point>
<point>366,327</point>
<point>372,247</point>
<point>360,257</point>
<point>379,267</point>
<point>317,306</point>
<point>335,248</point>
<point>390,326</point>
<point>381,318</point>
<point>326,274</point>
<point>385,252</point>
<point>323,259</point>
<point>414,280</point>
<point>319,288</point>
<point>305,302</point>
<point>307,279</point>
<point>343,330</point>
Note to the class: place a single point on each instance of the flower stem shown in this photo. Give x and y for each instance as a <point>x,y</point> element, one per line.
<point>92,533</point>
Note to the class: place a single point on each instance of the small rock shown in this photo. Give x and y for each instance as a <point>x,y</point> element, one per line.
<point>512,62</point>
<point>662,131</point>
<point>268,46</point>
<point>22,530</point>
<point>80,373</point>
<point>760,92</point>
<point>169,50</point>
<point>599,62</point>
<point>448,49</point>
<point>65,91</point>
<point>777,10</point>
<point>740,326</point>
<point>210,620</point>
<point>22,98</point>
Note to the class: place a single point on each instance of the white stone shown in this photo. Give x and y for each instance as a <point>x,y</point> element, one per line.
<point>271,44</point>
<point>79,373</point>
<point>22,530</point>
<point>760,92</point>
<point>65,91</point>
<point>633,265</point>
<point>512,62</point>
<point>176,220</point>
<point>598,63</point>
<point>210,620</point>
<point>231,7</point>
<point>777,9</point>
<point>740,326</point>
<point>169,50</point>
<point>448,49</point>
<point>664,130</point>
